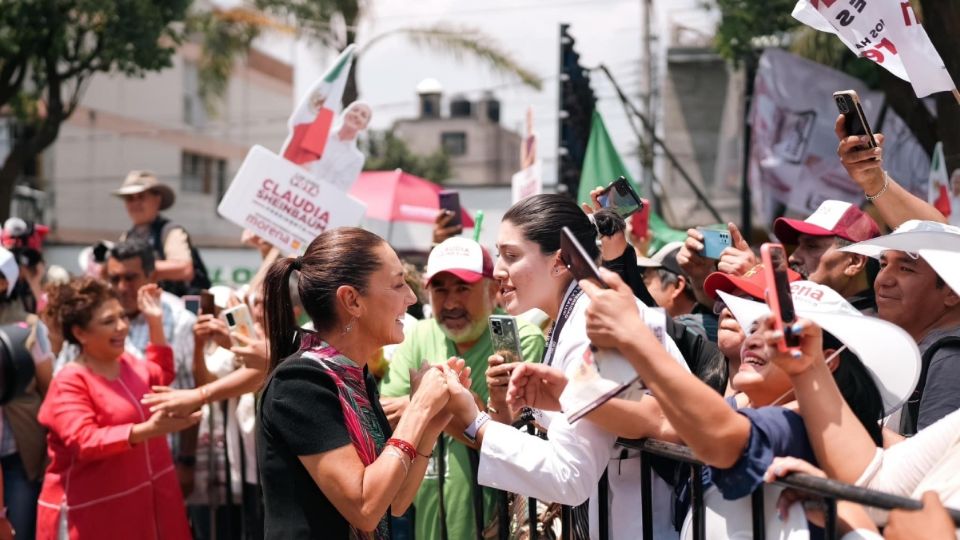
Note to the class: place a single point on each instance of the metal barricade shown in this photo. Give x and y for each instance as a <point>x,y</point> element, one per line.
<point>830,490</point>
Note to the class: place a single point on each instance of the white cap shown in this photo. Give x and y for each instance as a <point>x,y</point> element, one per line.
<point>936,243</point>
<point>9,268</point>
<point>885,349</point>
<point>461,257</point>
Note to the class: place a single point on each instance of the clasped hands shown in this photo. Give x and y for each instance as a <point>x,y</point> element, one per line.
<point>442,391</point>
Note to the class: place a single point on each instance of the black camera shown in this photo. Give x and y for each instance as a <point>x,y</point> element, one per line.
<point>497,327</point>
<point>16,363</point>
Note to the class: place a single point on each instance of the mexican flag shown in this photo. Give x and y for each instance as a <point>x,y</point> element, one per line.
<point>311,121</point>
<point>602,165</point>
<point>939,190</point>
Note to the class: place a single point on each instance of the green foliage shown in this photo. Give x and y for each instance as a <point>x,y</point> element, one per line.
<point>386,152</point>
<point>745,23</point>
<point>223,41</point>
<point>50,43</point>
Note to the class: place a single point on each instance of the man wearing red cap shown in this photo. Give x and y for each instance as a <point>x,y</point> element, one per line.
<point>817,257</point>
<point>463,295</point>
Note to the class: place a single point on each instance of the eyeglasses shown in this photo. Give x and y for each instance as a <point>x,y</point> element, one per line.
<point>718,307</point>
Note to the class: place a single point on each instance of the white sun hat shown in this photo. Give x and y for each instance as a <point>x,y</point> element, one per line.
<point>936,243</point>
<point>885,349</point>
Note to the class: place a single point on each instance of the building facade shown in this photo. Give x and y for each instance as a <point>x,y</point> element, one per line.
<point>481,150</point>
<point>160,123</point>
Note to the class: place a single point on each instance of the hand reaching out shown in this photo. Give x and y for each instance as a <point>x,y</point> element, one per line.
<point>537,386</point>
<point>148,301</point>
<point>442,228</point>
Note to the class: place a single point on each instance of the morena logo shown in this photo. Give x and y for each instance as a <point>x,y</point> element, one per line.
<point>806,291</point>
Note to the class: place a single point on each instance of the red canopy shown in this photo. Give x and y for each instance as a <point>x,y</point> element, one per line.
<point>398,196</point>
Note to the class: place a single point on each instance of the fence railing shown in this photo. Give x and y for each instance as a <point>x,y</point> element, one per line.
<point>830,490</point>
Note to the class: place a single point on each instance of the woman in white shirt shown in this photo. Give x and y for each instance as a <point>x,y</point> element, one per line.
<point>568,466</point>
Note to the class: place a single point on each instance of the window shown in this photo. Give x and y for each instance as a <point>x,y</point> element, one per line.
<point>454,143</point>
<point>202,174</point>
<point>194,113</point>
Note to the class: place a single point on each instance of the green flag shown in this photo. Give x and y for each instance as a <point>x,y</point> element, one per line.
<point>602,165</point>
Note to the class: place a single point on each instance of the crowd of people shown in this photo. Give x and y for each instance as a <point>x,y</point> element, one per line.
<point>369,400</point>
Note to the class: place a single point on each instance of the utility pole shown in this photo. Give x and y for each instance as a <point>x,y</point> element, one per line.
<point>646,150</point>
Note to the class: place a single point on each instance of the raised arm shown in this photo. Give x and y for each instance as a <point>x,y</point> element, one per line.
<point>700,416</point>
<point>865,167</point>
<point>842,445</point>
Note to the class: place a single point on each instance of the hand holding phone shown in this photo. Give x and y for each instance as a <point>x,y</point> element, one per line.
<point>778,293</point>
<point>576,259</point>
<point>848,103</point>
<point>239,321</point>
<point>620,197</point>
<point>714,242</point>
<point>450,200</point>
<point>505,337</point>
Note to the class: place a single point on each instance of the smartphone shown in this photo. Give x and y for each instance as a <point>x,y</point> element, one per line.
<point>576,259</point>
<point>778,296</point>
<point>848,102</point>
<point>192,303</point>
<point>207,304</point>
<point>714,242</point>
<point>239,321</point>
<point>505,338</point>
<point>450,200</point>
<point>620,197</point>
<point>640,221</point>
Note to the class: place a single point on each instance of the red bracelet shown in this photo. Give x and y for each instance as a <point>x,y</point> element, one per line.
<point>405,447</point>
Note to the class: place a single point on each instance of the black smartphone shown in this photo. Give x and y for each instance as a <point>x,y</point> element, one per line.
<point>192,303</point>
<point>505,338</point>
<point>848,103</point>
<point>620,197</point>
<point>450,200</point>
<point>779,298</point>
<point>207,304</point>
<point>576,259</point>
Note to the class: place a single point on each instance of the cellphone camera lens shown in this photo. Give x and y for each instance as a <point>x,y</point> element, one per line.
<point>842,105</point>
<point>496,328</point>
<point>230,320</point>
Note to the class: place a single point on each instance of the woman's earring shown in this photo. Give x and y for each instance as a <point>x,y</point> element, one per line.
<point>349,326</point>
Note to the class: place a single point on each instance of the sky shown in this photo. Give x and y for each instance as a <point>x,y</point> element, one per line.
<point>606,31</point>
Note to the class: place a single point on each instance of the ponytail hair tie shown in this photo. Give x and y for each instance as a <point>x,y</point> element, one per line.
<point>297,263</point>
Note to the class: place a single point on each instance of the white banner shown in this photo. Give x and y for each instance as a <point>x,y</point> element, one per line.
<point>283,204</point>
<point>793,152</point>
<point>885,31</point>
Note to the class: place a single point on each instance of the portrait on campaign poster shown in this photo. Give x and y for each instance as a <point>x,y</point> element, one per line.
<point>342,161</point>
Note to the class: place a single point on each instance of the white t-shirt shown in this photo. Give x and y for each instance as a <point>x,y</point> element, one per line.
<point>567,467</point>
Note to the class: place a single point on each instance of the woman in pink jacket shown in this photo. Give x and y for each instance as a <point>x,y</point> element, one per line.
<point>111,474</point>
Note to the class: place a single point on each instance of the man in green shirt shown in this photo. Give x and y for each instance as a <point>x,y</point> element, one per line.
<point>463,294</point>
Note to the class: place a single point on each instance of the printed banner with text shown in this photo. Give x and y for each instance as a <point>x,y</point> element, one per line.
<point>885,31</point>
<point>793,154</point>
<point>283,204</point>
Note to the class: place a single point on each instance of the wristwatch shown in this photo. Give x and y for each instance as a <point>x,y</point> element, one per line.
<point>471,432</point>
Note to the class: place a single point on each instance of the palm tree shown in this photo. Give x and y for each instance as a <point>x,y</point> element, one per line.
<point>331,23</point>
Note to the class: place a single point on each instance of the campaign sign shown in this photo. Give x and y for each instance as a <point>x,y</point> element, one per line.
<point>283,204</point>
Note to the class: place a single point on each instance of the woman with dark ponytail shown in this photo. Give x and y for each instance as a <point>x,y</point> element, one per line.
<point>329,465</point>
<point>567,467</point>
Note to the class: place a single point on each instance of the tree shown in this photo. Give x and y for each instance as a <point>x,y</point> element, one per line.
<point>745,26</point>
<point>49,50</point>
<point>333,24</point>
<point>386,152</point>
